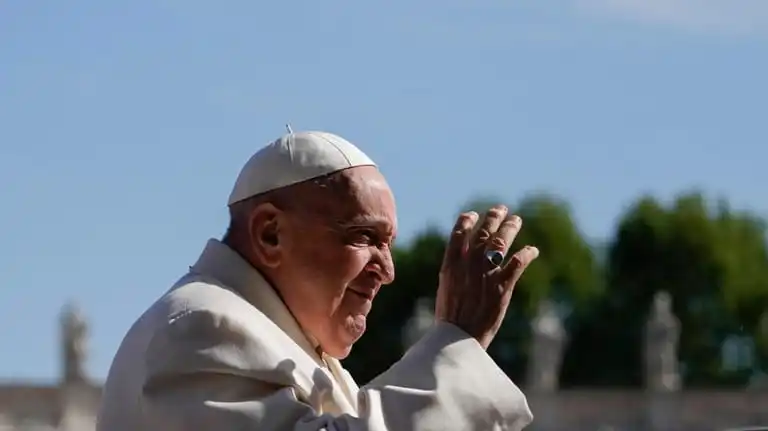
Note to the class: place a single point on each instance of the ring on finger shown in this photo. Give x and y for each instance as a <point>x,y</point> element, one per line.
<point>495,257</point>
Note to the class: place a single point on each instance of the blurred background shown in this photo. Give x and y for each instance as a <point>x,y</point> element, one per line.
<point>629,135</point>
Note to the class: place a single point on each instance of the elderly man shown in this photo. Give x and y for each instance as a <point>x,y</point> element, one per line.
<point>251,337</point>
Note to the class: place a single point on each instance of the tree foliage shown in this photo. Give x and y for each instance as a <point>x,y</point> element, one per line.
<point>713,262</point>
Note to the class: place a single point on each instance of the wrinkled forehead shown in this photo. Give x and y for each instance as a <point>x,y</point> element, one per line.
<point>356,195</point>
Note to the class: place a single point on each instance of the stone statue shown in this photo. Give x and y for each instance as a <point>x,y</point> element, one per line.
<point>549,339</point>
<point>74,336</point>
<point>423,318</point>
<point>662,334</point>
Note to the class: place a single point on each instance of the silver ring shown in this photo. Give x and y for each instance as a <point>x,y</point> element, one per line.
<point>495,257</point>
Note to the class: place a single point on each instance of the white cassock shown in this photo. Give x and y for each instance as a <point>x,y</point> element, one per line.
<point>220,351</point>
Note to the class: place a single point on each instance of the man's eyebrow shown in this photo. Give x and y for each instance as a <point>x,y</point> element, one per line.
<point>365,221</point>
<point>379,223</point>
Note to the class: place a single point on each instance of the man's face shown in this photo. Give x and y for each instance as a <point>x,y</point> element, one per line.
<point>337,255</point>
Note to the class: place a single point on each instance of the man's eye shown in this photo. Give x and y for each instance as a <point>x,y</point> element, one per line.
<point>366,237</point>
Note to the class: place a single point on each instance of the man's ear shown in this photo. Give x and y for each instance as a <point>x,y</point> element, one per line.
<point>265,228</point>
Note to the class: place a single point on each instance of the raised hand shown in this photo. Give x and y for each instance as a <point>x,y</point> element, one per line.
<point>476,278</point>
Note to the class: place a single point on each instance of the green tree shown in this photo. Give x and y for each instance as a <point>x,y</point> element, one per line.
<point>713,262</point>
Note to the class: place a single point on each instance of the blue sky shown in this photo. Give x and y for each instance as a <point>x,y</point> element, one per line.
<point>123,125</point>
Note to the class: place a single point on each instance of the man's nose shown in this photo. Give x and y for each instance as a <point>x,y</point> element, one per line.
<point>383,266</point>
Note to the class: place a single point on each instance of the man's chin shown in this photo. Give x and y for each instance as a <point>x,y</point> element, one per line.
<point>339,352</point>
<point>346,338</point>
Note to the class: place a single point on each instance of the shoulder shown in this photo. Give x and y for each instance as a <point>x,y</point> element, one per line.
<point>200,307</point>
<point>196,293</point>
<point>201,325</point>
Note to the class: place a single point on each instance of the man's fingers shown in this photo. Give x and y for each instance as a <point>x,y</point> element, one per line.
<point>505,236</point>
<point>491,222</point>
<point>517,264</point>
<point>459,236</point>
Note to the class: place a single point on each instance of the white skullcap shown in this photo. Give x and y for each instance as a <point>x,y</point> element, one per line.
<point>294,158</point>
